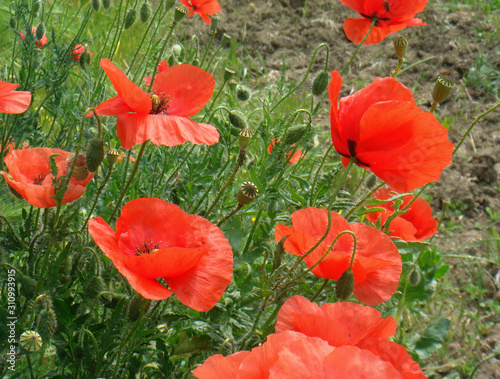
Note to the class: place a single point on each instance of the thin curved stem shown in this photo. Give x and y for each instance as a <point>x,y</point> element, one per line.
<point>374,21</point>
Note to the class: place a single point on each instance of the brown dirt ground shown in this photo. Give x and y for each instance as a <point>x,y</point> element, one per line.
<point>450,41</point>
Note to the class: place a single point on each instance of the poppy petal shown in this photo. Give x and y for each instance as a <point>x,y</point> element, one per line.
<point>202,287</point>
<point>134,97</point>
<point>220,367</point>
<point>112,107</point>
<point>188,87</point>
<point>105,237</point>
<point>11,101</point>
<point>347,362</point>
<point>133,129</point>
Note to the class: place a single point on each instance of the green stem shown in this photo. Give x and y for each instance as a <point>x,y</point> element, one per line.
<point>396,71</point>
<point>374,21</point>
<point>229,215</point>
<point>494,355</point>
<point>30,366</point>
<point>160,55</point>
<point>362,200</point>
<point>98,193</point>
<point>311,199</point>
<point>212,36</point>
<point>132,174</point>
<point>318,292</point>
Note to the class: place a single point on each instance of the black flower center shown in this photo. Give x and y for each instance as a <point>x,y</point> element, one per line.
<point>160,103</point>
<point>351,145</point>
<point>147,247</point>
<point>38,180</point>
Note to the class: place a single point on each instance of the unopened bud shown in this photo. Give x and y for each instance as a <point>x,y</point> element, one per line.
<point>30,341</point>
<point>40,31</point>
<point>415,277</point>
<point>96,5</point>
<point>145,11</point>
<point>179,14</point>
<point>232,84</point>
<point>442,89</point>
<point>137,305</point>
<point>37,6</point>
<point>28,286</point>
<point>13,23</point>
<point>295,134</point>
<point>320,83</point>
<point>130,18</point>
<point>226,38</point>
<point>400,46</point>
<point>177,50</point>
<point>169,4</point>
<point>95,153</point>
<point>112,156</point>
<point>345,285</point>
<point>243,93</point>
<point>228,73</point>
<point>244,138</point>
<point>238,119</point>
<point>106,4</point>
<point>370,182</point>
<point>47,323</point>
<point>80,171</point>
<point>196,62</point>
<point>247,193</point>
<point>93,287</point>
<point>84,59</point>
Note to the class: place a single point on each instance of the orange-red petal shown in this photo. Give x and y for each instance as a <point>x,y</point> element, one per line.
<point>220,367</point>
<point>13,101</point>
<point>133,129</point>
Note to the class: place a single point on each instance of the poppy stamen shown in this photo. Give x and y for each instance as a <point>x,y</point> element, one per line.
<point>147,247</point>
<point>38,180</point>
<point>160,102</point>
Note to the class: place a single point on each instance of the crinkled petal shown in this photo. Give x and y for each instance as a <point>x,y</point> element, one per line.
<point>133,129</point>
<point>13,101</point>
<point>220,367</point>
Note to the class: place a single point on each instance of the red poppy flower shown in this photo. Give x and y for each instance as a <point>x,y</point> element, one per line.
<point>13,101</point>
<point>30,176</point>
<point>295,157</point>
<point>358,333</point>
<point>202,7</point>
<point>288,355</point>
<point>415,225</point>
<point>40,43</point>
<point>383,130</point>
<point>180,92</point>
<point>155,239</point>
<point>377,263</point>
<point>391,15</point>
<point>77,51</point>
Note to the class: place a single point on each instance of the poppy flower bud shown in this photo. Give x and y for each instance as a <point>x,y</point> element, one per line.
<point>40,31</point>
<point>295,134</point>
<point>196,62</point>
<point>247,193</point>
<point>345,285</point>
<point>47,323</point>
<point>93,287</point>
<point>13,23</point>
<point>30,341</point>
<point>228,73</point>
<point>215,22</point>
<point>238,119</point>
<point>179,13</point>
<point>111,301</point>
<point>95,153</point>
<point>37,6</point>
<point>28,286</point>
<point>320,83</point>
<point>137,305</point>
<point>226,38</point>
<point>106,4</point>
<point>145,11</point>
<point>177,50</point>
<point>130,18</point>
<point>96,5</point>
<point>112,156</point>
<point>370,182</point>
<point>169,4</point>
<point>400,46</point>
<point>84,59</point>
<point>80,171</point>
<point>232,84</point>
<point>415,277</point>
<point>442,89</point>
<point>244,138</point>
<point>243,93</point>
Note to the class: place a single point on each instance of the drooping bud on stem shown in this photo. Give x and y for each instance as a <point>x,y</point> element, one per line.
<point>40,31</point>
<point>169,4</point>
<point>145,11</point>
<point>243,93</point>
<point>137,305</point>
<point>295,134</point>
<point>47,323</point>
<point>96,5</point>
<point>320,83</point>
<point>130,18</point>
<point>106,4</point>
<point>345,285</point>
<point>95,153</point>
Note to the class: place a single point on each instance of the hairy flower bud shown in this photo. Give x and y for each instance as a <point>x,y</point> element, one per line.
<point>84,59</point>
<point>320,83</point>
<point>96,5</point>
<point>95,153</point>
<point>145,11</point>
<point>106,4</point>
<point>247,193</point>
<point>40,31</point>
<point>137,305</point>
<point>37,6</point>
<point>243,93</point>
<point>169,4</point>
<point>238,119</point>
<point>47,323</point>
<point>345,285</point>
<point>130,18</point>
<point>28,286</point>
<point>295,133</point>
<point>13,23</point>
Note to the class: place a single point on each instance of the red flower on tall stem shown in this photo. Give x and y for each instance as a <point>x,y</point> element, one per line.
<point>155,239</point>
<point>391,16</point>
<point>77,51</point>
<point>377,264</point>
<point>293,159</point>
<point>163,117</point>
<point>40,43</point>
<point>383,130</point>
<point>13,101</point>
<point>359,336</point>
<point>203,8</point>
<point>417,224</point>
<point>30,176</point>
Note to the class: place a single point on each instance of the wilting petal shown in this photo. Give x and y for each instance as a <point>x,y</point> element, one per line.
<point>133,129</point>
<point>188,87</point>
